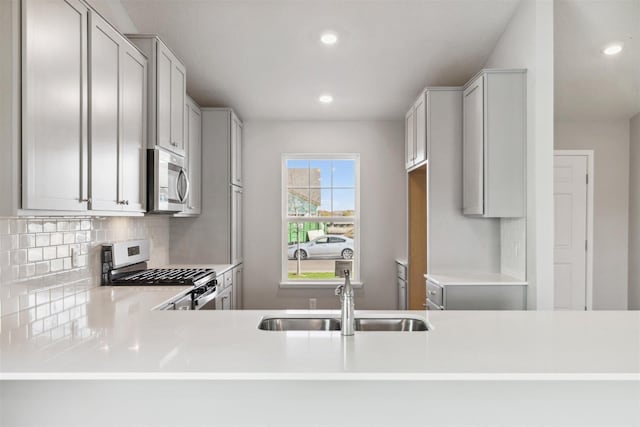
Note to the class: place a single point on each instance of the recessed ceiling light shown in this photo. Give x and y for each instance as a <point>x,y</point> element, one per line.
<point>613,49</point>
<point>329,38</point>
<point>326,99</point>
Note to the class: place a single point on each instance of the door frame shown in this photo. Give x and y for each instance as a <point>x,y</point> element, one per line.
<point>589,154</point>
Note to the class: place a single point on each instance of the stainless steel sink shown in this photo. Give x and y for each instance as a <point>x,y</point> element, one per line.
<point>397,324</point>
<point>400,324</point>
<point>299,324</point>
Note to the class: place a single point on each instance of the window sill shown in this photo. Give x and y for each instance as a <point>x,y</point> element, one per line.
<point>317,285</point>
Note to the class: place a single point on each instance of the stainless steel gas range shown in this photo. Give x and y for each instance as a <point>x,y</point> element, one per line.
<point>125,264</point>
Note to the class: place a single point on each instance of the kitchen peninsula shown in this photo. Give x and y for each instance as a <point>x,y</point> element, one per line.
<point>119,342</point>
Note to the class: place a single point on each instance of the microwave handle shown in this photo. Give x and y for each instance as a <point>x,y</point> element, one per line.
<point>183,175</point>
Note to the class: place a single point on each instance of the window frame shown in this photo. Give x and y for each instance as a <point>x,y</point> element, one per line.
<point>285,282</point>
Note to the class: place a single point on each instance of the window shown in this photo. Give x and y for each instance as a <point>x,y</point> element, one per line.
<point>320,217</point>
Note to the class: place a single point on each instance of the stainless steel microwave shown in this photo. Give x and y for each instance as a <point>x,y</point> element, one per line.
<point>168,181</point>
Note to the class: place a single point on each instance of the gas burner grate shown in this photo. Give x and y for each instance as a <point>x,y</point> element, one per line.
<point>159,276</point>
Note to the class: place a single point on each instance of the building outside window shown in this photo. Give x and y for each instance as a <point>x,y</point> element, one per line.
<point>320,217</point>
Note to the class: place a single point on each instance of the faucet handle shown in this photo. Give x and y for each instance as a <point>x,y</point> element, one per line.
<point>339,290</point>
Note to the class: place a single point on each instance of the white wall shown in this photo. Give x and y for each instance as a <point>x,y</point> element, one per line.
<point>528,43</point>
<point>382,202</point>
<point>634,214</point>
<point>610,142</point>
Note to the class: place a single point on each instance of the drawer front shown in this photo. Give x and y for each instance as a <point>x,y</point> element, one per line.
<point>432,306</point>
<point>402,271</point>
<point>228,279</point>
<point>435,293</point>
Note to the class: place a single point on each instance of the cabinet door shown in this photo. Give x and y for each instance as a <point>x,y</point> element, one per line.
<point>54,105</point>
<point>236,151</point>
<point>236,224</point>
<point>237,288</point>
<point>163,97</point>
<point>410,138</point>
<point>178,99</point>
<point>133,125</point>
<point>104,58</point>
<point>195,159</point>
<point>421,130</point>
<point>473,148</point>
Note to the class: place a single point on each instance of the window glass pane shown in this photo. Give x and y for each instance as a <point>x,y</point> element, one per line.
<point>325,200</point>
<point>298,173</point>
<point>298,202</point>
<point>344,172</point>
<point>344,203</point>
<point>314,247</point>
<point>320,173</point>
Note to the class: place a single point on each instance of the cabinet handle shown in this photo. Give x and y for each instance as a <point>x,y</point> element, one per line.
<point>85,200</point>
<point>432,293</point>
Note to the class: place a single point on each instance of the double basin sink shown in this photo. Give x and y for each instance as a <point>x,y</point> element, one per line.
<point>395,324</point>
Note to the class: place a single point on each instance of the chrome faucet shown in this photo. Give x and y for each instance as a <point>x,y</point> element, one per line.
<point>345,292</point>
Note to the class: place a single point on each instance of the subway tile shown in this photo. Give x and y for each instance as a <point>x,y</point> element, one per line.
<point>57,264</point>
<point>17,226</point>
<point>63,251</point>
<point>67,263</point>
<point>27,270</point>
<point>49,252</point>
<point>5,228</point>
<point>56,239</point>
<point>85,224</point>
<point>5,242</point>
<point>49,226</point>
<point>19,256</point>
<point>42,239</point>
<point>69,238</point>
<point>74,225</point>
<point>34,226</point>
<point>62,226</point>
<point>27,240</point>
<point>42,267</point>
<point>34,254</point>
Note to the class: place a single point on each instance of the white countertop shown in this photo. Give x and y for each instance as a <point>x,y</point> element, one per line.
<point>469,279</point>
<point>112,334</point>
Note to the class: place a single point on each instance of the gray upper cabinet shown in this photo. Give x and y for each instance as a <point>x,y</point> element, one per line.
<point>117,137</point>
<point>166,92</point>
<point>236,150</point>
<point>193,138</point>
<point>54,108</point>
<point>494,109</point>
<point>416,133</point>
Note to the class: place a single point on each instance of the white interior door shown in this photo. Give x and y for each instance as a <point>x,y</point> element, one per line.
<point>570,248</point>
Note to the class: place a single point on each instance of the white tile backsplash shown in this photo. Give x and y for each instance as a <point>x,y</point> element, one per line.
<point>43,260</point>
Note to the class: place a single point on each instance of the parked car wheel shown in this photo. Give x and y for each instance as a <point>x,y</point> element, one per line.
<point>347,254</point>
<point>303,254</point>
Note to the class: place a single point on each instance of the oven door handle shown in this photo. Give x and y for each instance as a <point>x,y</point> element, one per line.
<point>183,177</point>
<point>204,300</point>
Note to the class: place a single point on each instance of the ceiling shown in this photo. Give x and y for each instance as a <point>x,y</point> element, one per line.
<point>264,58</point>
<point>588,84</point>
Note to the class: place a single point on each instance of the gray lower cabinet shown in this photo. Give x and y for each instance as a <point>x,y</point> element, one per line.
<point>54,109</point>
<point>117,137</point>
<point>484,296</point>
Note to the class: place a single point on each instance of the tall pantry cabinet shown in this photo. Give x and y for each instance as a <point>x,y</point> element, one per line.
<point>215,236</point>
